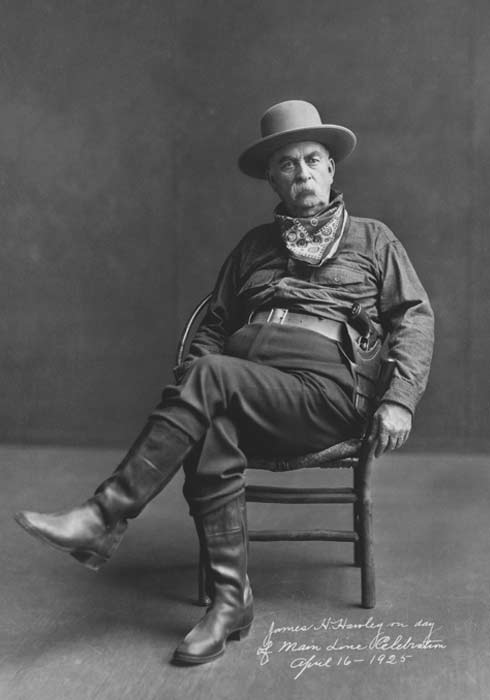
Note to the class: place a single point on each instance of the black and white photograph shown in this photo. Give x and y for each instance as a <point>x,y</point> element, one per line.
<point>245,297</point>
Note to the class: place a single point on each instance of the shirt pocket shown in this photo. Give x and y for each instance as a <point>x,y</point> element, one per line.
<point>336,275</point>
<point>256,280</point>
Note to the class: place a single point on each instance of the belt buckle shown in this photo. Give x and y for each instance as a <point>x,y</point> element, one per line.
<point>277,316</point>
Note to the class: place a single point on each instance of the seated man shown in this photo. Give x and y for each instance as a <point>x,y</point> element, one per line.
<point>273,368</point>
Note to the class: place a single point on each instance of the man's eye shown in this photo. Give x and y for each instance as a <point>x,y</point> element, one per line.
<point>313,160</point>
<point>287,165</point>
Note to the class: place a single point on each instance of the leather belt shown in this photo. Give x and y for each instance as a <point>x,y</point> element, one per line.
<point>325,326</point>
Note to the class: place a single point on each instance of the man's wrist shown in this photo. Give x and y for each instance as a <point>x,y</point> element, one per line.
<point>397,403</point>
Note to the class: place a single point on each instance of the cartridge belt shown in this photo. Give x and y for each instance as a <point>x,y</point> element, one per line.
<point>325,326</point>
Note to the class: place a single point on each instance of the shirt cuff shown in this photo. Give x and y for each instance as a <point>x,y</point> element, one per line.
<point>402,392</point>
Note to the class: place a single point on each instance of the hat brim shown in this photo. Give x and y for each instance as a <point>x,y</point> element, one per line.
<point>338,140</point>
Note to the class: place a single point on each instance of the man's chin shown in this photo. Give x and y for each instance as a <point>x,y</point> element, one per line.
<point>308,201</point>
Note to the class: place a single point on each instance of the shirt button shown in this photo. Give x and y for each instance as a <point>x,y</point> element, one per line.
<point>314,222</point>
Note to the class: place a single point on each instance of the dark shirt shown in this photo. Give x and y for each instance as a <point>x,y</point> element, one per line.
<point>370,267</point>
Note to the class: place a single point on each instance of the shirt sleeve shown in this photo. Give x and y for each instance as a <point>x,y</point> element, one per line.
<point>407,316</point>
<point>220,319</point>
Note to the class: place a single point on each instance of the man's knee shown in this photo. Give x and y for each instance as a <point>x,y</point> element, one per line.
<point>214,367</point>
<point>218,383</point>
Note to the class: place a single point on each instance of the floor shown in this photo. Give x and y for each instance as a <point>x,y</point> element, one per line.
<point>70,634</point>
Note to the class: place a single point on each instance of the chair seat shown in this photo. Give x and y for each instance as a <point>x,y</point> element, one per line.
<point>343,455</point>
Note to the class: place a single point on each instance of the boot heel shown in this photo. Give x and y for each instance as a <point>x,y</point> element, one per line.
<point>237,635</point>
<point>90,560</point>
<point>93,560</point>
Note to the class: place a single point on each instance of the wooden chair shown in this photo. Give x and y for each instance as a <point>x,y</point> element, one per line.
<point>355,454</point>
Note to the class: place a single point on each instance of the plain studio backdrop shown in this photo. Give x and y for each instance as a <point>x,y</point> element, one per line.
<point>120,126</point>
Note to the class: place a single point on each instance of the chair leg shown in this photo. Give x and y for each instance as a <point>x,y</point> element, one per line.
<point>202,596</point>
<point>368,588</point>
<point>356,518</point>
<point>356,527</point>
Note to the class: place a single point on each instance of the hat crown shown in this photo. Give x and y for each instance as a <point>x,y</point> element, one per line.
<point>292,114</point>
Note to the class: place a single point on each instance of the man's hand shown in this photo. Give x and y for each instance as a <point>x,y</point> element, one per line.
<point>390,428</point>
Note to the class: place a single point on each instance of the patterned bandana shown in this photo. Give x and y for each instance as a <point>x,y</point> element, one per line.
<point>313,240</point>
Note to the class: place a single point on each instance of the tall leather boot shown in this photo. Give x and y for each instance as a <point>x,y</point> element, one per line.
<point>92,531</point>
<point>224,541</point>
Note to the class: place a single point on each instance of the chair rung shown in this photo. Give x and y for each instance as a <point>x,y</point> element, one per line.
<point>303,535</point>
<point>278,494</point>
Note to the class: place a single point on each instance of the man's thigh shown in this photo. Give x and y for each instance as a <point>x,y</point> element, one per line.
<point>274,410</point>
<point>295,414</point>
<point>301,393</point>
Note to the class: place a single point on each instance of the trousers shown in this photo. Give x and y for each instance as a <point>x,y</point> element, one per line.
<point>275,390</point>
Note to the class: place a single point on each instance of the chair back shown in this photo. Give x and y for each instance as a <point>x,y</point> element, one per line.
<point>190,328</point>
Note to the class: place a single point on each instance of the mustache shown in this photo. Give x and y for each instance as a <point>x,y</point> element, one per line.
<point>302,189</point>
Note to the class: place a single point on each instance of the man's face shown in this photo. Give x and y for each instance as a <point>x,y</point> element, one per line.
<point>302,174</point>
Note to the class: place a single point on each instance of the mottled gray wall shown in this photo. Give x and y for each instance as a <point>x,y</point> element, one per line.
<point>120,124</point>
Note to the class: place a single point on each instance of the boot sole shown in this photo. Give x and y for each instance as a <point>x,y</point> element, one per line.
<point>90,559</point>
<point>187,660</point>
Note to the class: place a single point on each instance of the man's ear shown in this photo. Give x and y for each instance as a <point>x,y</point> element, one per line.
<point>331,164</point>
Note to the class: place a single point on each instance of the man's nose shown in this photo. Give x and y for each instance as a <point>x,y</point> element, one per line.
<point>302,171</point>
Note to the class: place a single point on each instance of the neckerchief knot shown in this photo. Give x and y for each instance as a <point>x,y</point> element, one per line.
<point>314,239</point>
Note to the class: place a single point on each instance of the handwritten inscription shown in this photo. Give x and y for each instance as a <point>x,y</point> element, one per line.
<point>338,642</point>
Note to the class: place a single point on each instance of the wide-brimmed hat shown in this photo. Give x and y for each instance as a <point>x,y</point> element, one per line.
<point>291,122</point>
